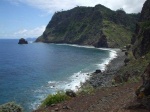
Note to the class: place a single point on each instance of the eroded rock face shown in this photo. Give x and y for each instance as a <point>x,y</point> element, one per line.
<point>144,89</point>
<point>141,38</point>
<point>143,92</point>
<point>145,14</point>
<point>146,80</point>
<point>22,41</point>
<point>102,42</point>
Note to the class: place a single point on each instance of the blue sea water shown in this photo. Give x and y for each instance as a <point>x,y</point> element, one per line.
<point>28,73</point>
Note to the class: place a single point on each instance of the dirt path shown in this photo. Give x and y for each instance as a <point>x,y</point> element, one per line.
<point>108,99</point>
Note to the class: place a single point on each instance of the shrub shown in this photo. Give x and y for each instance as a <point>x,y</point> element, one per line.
<point>10,107</point>
<point>55,98</point>
<point>86,89</point>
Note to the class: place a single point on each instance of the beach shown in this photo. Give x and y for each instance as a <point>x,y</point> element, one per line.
<point>104,79</point>
<point>105,97</point>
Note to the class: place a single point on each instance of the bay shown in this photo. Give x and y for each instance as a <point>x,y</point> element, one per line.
<point>28,73</point>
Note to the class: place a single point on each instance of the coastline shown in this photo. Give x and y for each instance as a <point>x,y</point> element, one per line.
<point>104,79</point>
<point>110,66</point>
<point>80,78</point>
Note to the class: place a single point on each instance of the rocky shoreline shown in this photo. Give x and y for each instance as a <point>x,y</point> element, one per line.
<point>105,97</point>
<point>104,79</point>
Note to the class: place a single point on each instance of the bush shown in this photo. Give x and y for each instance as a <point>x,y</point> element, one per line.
<point>55,98</point>
<point>10,107</point>
<point>86,89</point>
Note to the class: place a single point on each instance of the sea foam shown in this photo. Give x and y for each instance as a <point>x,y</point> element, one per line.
<point>73,82</point>
<point>112,55</point>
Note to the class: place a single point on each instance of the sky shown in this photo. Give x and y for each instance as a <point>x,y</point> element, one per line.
<point>29,18</point>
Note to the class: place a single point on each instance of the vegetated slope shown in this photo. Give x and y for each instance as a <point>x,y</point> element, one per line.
<point>141,38</point>
<point>97,26</point>
<point>121,98</point>
<point>138,55</point>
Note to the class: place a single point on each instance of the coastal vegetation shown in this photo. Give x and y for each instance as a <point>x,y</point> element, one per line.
<point>90,26</point>
<point>54,99</point>
<point>61,96</point>
<point>11,107</point>
<point>102,27</point>
<point>115,32</point>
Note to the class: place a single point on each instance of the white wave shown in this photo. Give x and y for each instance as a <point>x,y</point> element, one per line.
<point>103,65</point>
<point>52,84</point>
<point>75,45</point>
<point>76,81</point>
<point>112,55</point>
<point>30,41</point>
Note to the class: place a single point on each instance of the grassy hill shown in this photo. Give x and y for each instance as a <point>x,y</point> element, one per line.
<point>98,26</point>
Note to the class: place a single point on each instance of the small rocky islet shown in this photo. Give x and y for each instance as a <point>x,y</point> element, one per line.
<point>22,41</point>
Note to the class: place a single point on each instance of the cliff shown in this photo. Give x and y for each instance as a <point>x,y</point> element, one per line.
<point>98,26</point>
<point>141,38</point>
<point>102,99</point>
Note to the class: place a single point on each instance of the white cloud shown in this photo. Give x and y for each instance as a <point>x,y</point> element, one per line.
<point>29,33</point>
<point>50,6</point>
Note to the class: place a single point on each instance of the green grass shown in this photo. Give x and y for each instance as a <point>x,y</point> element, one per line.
<point>86,89</point>
<point>135,67</point>
<point>116,34</point>
<point>134,79</point>
<point>54,99</point>
<point>145,25</point>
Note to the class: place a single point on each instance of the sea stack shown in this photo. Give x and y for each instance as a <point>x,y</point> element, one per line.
<point>22,41</point>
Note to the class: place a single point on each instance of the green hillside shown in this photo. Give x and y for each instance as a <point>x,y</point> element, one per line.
<point>98,26</point>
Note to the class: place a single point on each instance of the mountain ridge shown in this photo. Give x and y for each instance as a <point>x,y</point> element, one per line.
<point>97,26</point>
<point>140,39</point>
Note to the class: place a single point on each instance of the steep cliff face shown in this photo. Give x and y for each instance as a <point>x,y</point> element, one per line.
<point>89,26</point>
<point>141,39</point>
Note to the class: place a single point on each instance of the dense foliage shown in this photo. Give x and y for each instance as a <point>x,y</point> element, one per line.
<point>54,99</point>
<point>10,107</point>
<point>87,25</point>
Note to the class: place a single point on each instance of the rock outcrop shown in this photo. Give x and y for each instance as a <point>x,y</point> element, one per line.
<point>22,41</point>
<point>143,92</point>
<point>141,38</point>
<point>98,26</point>
<point>98,71</point>
<point>70,93</point>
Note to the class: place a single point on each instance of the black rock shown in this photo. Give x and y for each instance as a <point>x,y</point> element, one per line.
<point>22,41</point>
<point>98,71</point>
<point>70,93</point>
<point>126,60</point>
<point>126,53</point>
<point>102,42</point>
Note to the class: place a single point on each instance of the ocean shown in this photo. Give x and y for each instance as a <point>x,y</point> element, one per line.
<point>28,73</point>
